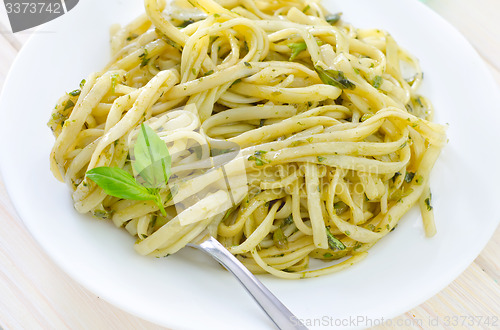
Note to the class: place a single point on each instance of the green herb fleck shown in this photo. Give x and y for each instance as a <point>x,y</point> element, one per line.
<point>395,176</point>
<point>257,157</point>
<point>377,82</point>
<point>144,58</point>
<point>69,104</point>
<point>409,177</point>
<point>428,202</point>
<point>76,92</point>
<point>366,116</point>
<point>340,207</point>
<point>333,242</point>
<point>208,73</point>
<point>101,214</point>
<point>288,221</point>
<point>279,239</point>
<point>334,78</point>
<point>186,23</point>
<point>296,48</point>
<point>333,18</point>
<point>235,82</point>
<point>321,159</point>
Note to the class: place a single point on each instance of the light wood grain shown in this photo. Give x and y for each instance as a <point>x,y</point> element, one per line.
<point>36,294</point>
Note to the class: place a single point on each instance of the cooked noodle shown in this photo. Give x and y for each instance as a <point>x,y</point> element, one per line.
<point>330,167</point>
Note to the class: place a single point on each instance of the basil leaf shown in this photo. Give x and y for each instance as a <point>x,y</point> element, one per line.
<point>119,183</point>
<point>334,78</point>
<point>152,160</point>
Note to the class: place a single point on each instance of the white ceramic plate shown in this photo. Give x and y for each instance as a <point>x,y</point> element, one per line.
<point>188,290</point>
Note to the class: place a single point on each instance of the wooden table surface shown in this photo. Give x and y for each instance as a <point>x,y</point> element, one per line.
<point>35,293</point>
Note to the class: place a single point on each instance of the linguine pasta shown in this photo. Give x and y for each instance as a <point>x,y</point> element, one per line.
<point>333,143</point>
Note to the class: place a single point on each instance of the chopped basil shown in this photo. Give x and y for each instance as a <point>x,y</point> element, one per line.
<point>334,78</point>
<point>279,239</point>
<point>257,157</point>
<point>288,221</point>
<point>76,92</point>
<point>377,82</point>
<point>333,242</point>
<point>297,48</point>
<point>82,83</point>
<point>144,58</point>
<point>321,159</point>
<point>186,23</point>
<point>419,101</point>
<point>69,104</point>
<point>340,207</point>
<point>327,255</point>
<point>428,202</point>
<point>114,82</point>
<point>228,213</point>
<point>333,18</point>
<point>247,64</point>
<point>208,73</point>
<point>409,177</point>
<point>235,82</point>
<point>101,214</point>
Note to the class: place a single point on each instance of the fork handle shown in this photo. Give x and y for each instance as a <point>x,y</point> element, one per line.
<point>277,312</point>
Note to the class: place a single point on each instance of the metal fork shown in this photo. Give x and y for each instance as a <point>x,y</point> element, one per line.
<point>277,312</point>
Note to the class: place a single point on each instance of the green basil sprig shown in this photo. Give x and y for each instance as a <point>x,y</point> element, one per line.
<point>152,163</point>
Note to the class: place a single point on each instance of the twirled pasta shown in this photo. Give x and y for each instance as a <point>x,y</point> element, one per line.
<point>330,167</point>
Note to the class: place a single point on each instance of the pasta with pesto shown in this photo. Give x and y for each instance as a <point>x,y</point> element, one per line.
<point>334,142</point>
